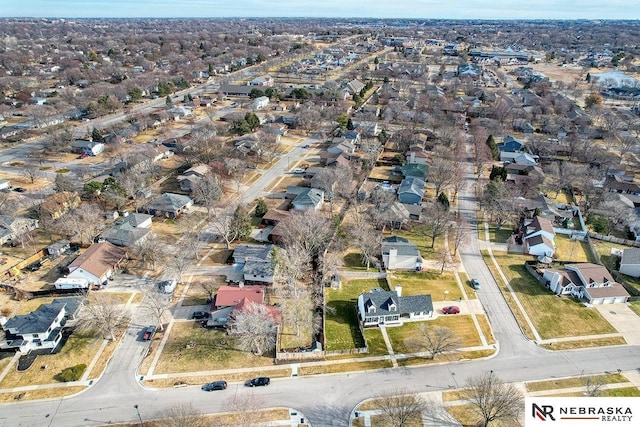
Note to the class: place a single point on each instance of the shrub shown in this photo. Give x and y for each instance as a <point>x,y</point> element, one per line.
<point>72,374</point>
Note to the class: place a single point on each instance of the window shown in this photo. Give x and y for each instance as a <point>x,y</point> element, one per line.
<point>35,335</point>
<point>371,309</point>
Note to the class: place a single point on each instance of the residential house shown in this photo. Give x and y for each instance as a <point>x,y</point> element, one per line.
<point>340,145</point>
<point>97,264</point>
<point>380,307</point>
<point>261,103</point>
<point>264,80</point>
<point>510,144</point>
<point>354,86</point>
<point>630,262</point>
<point>411,191</point>
<point>519,158</point>
<point>621,184</point>
<point>472,70</point>
<point>400,254</point>
<point>39,330</point>
<point>416,156</point>
<point>589,282</point>
<point>13,228</point>
<point>416,170</point>
<point>129,230</point>
<point>192,176</point>
<point>537,237</point>
<point>230,296</point>
<point>235,90</point>
<point>229,299</point>
<point>310,198</point>
<point>58,248</point>
<point>272,220</point>
<point>256,263</point>
<point>87,146</point>
<point>170,205</point>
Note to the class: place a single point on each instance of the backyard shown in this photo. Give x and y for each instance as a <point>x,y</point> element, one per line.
<point>544,308</point>
<point>441,287</point>
<point>341,325</point>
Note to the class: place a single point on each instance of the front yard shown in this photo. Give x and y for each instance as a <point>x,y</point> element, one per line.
<point>341,325</point>
<point>553,317</point>
<point>211,350</point>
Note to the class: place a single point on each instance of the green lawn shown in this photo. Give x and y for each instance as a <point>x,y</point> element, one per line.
<point>341,325</point>
<point>571,250</point>
<point>419,234</point>
<point>375,342</point>
<point>213,350</point>
<point>353,261</point>
<point>427,282</point>
<point>612,262</point>
<point>553,317</point>
<point>635,306</point>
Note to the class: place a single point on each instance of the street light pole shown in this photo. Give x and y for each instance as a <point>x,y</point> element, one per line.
<point>138,412</point>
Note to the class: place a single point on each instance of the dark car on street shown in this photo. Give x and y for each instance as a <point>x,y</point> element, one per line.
<point>475,284</point>
<point>216,385</point>
<point>199,315</point>
<point>258,382</point>
<point>149,332</point>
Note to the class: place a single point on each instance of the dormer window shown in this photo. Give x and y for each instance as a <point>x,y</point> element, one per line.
<point>392,307</point>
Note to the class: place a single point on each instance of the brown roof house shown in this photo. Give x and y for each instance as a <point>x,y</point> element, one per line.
<point>228,298</point>
<point>97,264</point>
<point>589,282</point>
<point>537,237</point>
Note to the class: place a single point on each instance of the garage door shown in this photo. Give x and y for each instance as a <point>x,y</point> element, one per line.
<point>609,300</point>
<point>621,299</point>
<point>596,301</point>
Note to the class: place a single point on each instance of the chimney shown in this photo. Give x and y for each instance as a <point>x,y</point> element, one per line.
<point>399,290</point>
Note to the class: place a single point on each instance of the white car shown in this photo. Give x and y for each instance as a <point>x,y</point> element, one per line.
<point>298,170</point>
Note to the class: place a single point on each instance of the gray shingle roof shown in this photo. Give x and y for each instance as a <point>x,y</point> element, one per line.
<point>388,302</point>
<point>38,321</point>
<point>402,245</point>
<point>169,202</point>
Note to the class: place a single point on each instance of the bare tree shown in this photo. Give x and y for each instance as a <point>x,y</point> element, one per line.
<point>156,303</point>
<point>183,414</point>
<point>436,340</point>
<point>150,250</point>
<point>207,191</point>
<point>82,223</point>
<point>225,225</point>
<point>209,287</point>
<point>246,408</point>
<point>436,217</point>
<point>32,172</point>
<point>594,385</point>
<point>102,311</point>
<point>402,408</point>
<point>290,265</point>
<point>368,241</point>
<point>441,173</point>
<point>298,310</point>
<point>309,231</point>
<point>255,327</point>
<point>492,399</point>
<point>460,230</point>
<point>180,262</point>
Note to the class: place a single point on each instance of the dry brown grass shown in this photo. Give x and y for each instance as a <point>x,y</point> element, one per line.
<point>486,328</point>
<point>574,382</point>
<point>47,393</point>
<point>452,357</point>
<point>344,367</point>
<point>467,417</point>
<point>578,343</point>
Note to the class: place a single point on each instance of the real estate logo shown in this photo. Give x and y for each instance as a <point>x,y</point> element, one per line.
<point>583,411</point>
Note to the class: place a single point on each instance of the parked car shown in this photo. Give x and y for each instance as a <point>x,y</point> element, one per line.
<point>216,385</point>
<point>452,309</point>
<point>20,189</point>
<point>258,382</point>
<point>298,170</point>
<point>306,146</point>
<point>149,332</point>
<point>475,284</point>
<point>167,286</point>
<point>198,315</point>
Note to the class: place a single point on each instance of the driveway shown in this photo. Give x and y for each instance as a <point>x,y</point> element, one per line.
<point>623,319</point>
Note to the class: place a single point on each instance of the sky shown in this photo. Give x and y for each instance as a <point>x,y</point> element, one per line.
<point>434,9</point>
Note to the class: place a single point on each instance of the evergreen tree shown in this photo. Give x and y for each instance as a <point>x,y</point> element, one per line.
<point>261,208</point>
